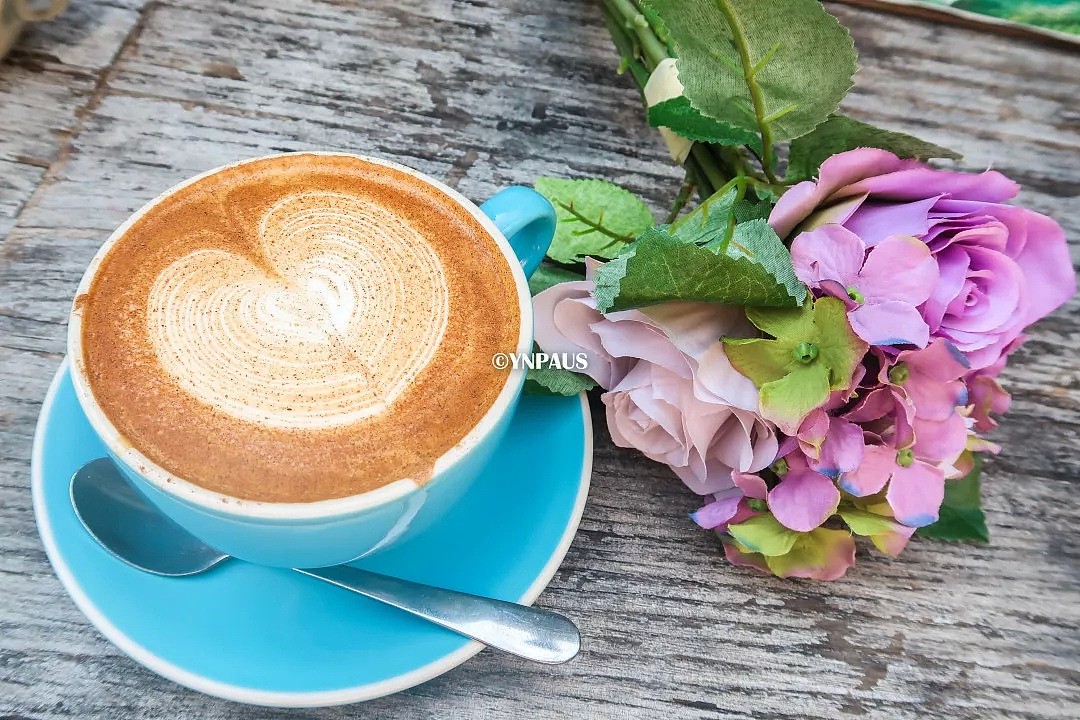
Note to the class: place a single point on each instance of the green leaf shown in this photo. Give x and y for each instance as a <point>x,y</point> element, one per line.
<point>609,279</point>
<point>547,275</point>
<point>594,218</point>
<point>840,348</point>
<point>704,256</point>
<point>710,221</point>
<point>888,536</point>
<point>660,267</point>
<point>814,351</point>
<point>756,241</point>
<point>866,523</point>
<point>821,554</point>
<point>781,65</point>
<point>824,325</point>
<point>753,210</point>
<point>764,534</point>
<point>791,398</point>
<point>840,133</point>
<point>961,516</point>
<point>763,361</point>
<point>796,324</point>
<point>714,222</point>
<point>553,381</point>
<point>683,119</point>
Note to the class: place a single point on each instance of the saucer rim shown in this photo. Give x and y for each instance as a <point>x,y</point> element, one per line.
<point>253,696</point>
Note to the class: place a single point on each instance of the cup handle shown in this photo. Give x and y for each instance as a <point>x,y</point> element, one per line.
<point>29,11</point>
<point>527,220</point>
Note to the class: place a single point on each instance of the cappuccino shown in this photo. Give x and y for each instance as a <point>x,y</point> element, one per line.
<point>299,328</point>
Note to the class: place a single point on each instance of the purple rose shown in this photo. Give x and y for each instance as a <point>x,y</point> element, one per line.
<point>672,393</point>
<point>1002,267</point>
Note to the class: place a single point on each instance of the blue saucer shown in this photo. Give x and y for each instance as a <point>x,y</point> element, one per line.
<point>273,637</point>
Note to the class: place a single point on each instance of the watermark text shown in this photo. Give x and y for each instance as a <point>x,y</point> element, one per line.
<point>575,362</point>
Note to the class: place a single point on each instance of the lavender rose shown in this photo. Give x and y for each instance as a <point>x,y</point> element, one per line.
<point>672,393</point>
<point>1001,267</point>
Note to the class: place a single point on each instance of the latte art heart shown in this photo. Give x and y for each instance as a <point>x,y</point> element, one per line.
<point>351,306</point>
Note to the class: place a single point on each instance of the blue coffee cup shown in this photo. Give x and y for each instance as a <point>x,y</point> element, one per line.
<point>330,532</point>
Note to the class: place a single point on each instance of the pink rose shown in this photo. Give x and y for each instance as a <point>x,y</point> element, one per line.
<point>1002,267</point>
<point>672,393</point>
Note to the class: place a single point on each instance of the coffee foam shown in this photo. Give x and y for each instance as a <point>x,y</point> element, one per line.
<point>299,328</point>
<point>351,307</point>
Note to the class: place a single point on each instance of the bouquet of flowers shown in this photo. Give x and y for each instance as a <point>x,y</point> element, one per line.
<point>814,348</point>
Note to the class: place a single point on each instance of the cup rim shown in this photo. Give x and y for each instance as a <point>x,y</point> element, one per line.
<point>173,485</point>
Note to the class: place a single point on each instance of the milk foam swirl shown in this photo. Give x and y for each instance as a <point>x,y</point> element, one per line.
<point>354,306</point>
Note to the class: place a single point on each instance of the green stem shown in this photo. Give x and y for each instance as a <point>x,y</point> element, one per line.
<point>707,164</point>
<point>729,234</point>
<point>756,97</point>
<point>627,48</point>
<point>683,197</point>
<point>697,177</point>
<point>652,50</point>
<point>657,26</point>
<point>596,225</point>
<point>732,158</point>
<point>642,49</point>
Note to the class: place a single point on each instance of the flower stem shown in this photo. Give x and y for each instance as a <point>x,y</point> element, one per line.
<point>708,165</point>
<point>683,197</point>
<point>628,50</point>
<point>756,97</point>
<point>642,48</point>
<point>652,50</point>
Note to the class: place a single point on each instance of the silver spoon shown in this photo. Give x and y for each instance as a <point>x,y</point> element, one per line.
<point>119,517</point>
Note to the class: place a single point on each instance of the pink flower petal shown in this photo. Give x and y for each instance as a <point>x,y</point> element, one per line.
<point>932,384</point>
<point>916,181</point>
<point>812,432</point>
<point>842,450</point>
<point>694,327</point>
<point>987,396</point>
<point>899,268</point>
<point>877,465</point>
<point>831,252</point>
<point>915,494</point>
<point>731,444</point>
<point>719,511</point>
<point>953,268</point>
<point>716,376</point>
<point>992,296</point>
<point>940,442</point>
<point>894,541</point>
<point>940,361</point>
<point>742,514</point>
<point>751,485</point>
<point>1043,258</point>
<point>741,558</point>
<point>563,316</point>
<point>889,323</point>
<point>803,500</point>
<point>835,174</point>
<point>875,221</point>
<point>875,405</point>
<point>631,339</point>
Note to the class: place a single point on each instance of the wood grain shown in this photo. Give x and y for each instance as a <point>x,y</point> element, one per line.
<point>118,100</point>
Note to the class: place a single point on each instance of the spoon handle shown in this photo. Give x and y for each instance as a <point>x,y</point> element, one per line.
<point>527,632</point>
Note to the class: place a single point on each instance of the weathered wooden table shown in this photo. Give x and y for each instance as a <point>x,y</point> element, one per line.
<point>119,99</point>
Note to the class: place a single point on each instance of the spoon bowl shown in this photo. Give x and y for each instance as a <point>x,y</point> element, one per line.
<point>123,522</point>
